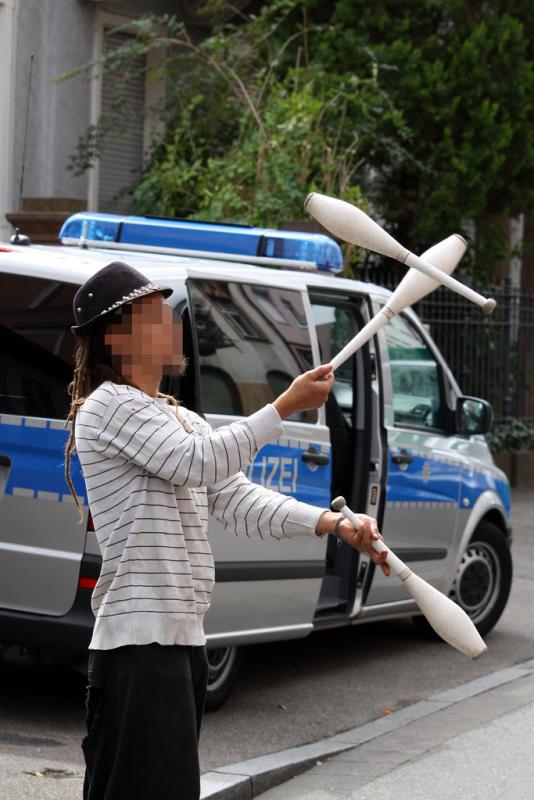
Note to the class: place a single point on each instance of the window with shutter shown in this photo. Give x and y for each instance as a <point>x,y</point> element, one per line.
<point>122,102</point>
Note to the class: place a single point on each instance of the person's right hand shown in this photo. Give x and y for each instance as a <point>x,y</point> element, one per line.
<point>362,539</point>
<point>310,390</point>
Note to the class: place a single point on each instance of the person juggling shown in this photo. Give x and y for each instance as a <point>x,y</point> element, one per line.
<point>154,471</point>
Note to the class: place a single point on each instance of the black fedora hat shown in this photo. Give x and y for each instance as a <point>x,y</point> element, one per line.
<point>112,286</point>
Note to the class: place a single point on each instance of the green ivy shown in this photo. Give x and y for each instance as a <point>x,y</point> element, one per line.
<point>462,74</point>
<point>511,435</point>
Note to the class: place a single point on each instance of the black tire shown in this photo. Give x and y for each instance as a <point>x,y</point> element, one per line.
<point>224,663</point>
<point>483,580</point>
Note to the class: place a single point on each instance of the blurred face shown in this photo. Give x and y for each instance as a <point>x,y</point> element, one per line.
<point>147,341</point>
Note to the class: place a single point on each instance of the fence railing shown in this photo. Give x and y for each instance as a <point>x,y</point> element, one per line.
<point>491,356</point>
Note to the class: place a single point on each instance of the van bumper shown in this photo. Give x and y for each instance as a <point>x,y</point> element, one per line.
<point>70,632</point>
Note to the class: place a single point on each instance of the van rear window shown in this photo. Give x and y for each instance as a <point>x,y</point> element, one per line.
<point>37,347</point>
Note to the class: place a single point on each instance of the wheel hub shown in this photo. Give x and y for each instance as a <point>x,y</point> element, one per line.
<point>476,580</point>
<point>220,662</point>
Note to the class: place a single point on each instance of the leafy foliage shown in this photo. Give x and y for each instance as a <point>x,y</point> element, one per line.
<point>511,435</point>
<point>297,143</point>
<point>251,124</point>
<point>462,74</point>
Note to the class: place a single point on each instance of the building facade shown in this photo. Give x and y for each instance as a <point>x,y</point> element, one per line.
<point>41,120</point>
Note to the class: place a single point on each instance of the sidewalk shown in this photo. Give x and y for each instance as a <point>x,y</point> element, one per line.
<point>479,748</point>
<point>473,742</point>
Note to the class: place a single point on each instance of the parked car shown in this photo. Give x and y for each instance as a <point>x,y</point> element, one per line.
<point>396,438</point>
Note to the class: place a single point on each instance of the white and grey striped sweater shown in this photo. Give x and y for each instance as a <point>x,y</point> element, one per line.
<point>151,481</point>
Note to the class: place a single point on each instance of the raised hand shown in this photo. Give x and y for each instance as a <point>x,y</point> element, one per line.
<point>309,390</point>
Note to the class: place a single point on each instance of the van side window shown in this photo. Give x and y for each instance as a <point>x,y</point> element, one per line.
<point>415,377</point>
<point>37,346</point>
<point>252,342</point>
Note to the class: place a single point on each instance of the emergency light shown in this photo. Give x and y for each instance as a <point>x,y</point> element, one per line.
<point>256,245</point>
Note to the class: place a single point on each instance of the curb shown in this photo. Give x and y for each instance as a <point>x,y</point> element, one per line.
<point>245,780</point>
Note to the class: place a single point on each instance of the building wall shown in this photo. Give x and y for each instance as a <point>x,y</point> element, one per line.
<point>60,34</point>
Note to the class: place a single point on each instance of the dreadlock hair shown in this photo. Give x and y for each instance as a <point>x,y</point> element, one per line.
<point>93,364</point>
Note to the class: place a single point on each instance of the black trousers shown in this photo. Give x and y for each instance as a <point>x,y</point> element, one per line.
<point>144,708</point>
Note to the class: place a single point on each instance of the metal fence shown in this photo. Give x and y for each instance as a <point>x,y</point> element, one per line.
<point>491,356</point>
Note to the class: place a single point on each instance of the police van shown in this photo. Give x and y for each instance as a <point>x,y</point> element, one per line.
<point>396,437</point>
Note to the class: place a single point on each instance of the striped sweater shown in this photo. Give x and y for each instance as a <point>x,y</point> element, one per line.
<point>151,482</point>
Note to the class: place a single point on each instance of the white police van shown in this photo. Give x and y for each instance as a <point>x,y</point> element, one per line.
<point>396,437</point>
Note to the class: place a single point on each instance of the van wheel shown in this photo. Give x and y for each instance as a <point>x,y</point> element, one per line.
<point>223,668</point>
<point>483,579</point>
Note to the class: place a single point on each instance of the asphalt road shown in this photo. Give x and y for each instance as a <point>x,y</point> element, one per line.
<point>288,694</point>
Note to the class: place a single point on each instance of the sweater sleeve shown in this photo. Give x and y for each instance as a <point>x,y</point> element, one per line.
<point>252,511</point>
<point>138,431</point>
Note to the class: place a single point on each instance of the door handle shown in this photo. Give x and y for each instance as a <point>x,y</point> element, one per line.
<point>402,457</point>
<point>312,456</point>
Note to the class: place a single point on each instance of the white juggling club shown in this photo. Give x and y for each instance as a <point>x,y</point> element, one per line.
<point>447,618</point>
<point>414,286</point>
<point>351,224</point>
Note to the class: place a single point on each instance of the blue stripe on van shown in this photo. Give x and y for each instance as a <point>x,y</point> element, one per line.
<point>37,458</point>
<point>280,467</point>
<point>36,452</point>
<point>442,483</point>
<point>477,481</point>
<point>424,480</point>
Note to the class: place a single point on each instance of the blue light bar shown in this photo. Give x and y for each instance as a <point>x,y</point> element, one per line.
<point>183,234</point>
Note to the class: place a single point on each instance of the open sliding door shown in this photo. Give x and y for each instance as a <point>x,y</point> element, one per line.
<point>251,341</point>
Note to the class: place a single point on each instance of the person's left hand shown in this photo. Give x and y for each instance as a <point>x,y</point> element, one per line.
<point>362,539</point>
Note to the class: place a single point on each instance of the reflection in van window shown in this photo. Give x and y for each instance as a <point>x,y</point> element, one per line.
<point>335,329</point>
<point>414,377</point>
<point>244,325</point>
<point>250,346</point>
<point>262,296</point>
<point>220,395</point>
<point>37,346</point>
<point>295,313</point>
<point>278,381</point>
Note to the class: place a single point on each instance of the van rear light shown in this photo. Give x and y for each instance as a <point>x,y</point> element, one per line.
<point>90,524</point>
<point>87,583</point>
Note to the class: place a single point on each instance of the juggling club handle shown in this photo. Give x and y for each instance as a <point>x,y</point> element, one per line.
<point>395,563</point>
<point>361,338</point>
<point>487,304</point>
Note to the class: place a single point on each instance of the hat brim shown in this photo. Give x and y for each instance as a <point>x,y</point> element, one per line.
<point>81,330</point>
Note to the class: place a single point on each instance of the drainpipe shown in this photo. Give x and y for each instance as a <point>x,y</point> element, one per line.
<point>8,35</point>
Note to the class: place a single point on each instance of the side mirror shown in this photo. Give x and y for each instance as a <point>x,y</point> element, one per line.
<point>473,415</point>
